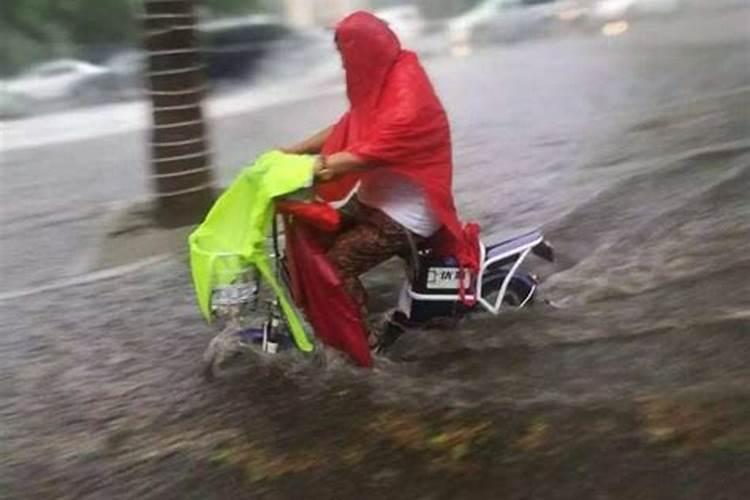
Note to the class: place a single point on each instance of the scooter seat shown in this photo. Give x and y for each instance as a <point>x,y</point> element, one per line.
<point>514,246</point>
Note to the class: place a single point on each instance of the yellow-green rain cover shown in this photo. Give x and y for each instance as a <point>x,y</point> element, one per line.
<point>234,235</point>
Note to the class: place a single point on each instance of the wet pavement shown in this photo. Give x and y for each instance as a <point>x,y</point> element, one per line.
<point>632,153</point>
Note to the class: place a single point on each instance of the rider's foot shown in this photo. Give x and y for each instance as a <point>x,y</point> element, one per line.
<point>384,331</point>
<point>375,326</point>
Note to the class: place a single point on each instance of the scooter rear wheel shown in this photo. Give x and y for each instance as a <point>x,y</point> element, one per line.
<point>517,292</point>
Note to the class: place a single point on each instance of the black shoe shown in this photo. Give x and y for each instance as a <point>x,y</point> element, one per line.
<point>391,332</point>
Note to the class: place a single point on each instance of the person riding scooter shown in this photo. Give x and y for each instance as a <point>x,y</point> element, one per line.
<point>393,147</point>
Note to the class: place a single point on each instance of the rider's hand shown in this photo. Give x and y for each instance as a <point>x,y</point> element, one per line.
<point>321,171</point>
<point>338,164</point>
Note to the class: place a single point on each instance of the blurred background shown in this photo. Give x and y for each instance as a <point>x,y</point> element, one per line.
<point>88,52</point>
<point>81,53</point>
<point>619,127</point>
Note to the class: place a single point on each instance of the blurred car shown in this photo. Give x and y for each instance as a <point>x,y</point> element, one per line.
<point>495,21</point>
<point>612,17</point>
<point>13,105</point>
<point>59,81</point>
<point>233,50</point>
<point>237,49</point>
<point>406,21</point>
<point>612,10</point>
<point>127,72</point>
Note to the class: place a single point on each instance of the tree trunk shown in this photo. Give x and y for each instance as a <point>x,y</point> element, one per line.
<point>181,171</point>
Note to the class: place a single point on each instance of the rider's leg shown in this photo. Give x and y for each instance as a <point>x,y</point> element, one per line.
<point>373,240</point>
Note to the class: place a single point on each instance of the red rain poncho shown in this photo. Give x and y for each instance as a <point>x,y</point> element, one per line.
<point>318,290</point>
<point>395,121</point>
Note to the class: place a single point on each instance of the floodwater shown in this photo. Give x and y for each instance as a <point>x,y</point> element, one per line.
<point>634,158</point>
<point>632,153</point>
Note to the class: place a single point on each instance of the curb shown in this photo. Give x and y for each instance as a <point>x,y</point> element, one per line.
<point>105,274</point>
<point>214,110</point>
<point>85,262</point>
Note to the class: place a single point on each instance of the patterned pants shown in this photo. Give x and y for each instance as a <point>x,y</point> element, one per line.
<point>368,238</point>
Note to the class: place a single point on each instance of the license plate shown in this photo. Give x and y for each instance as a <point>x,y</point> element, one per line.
<point>446,278</point>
